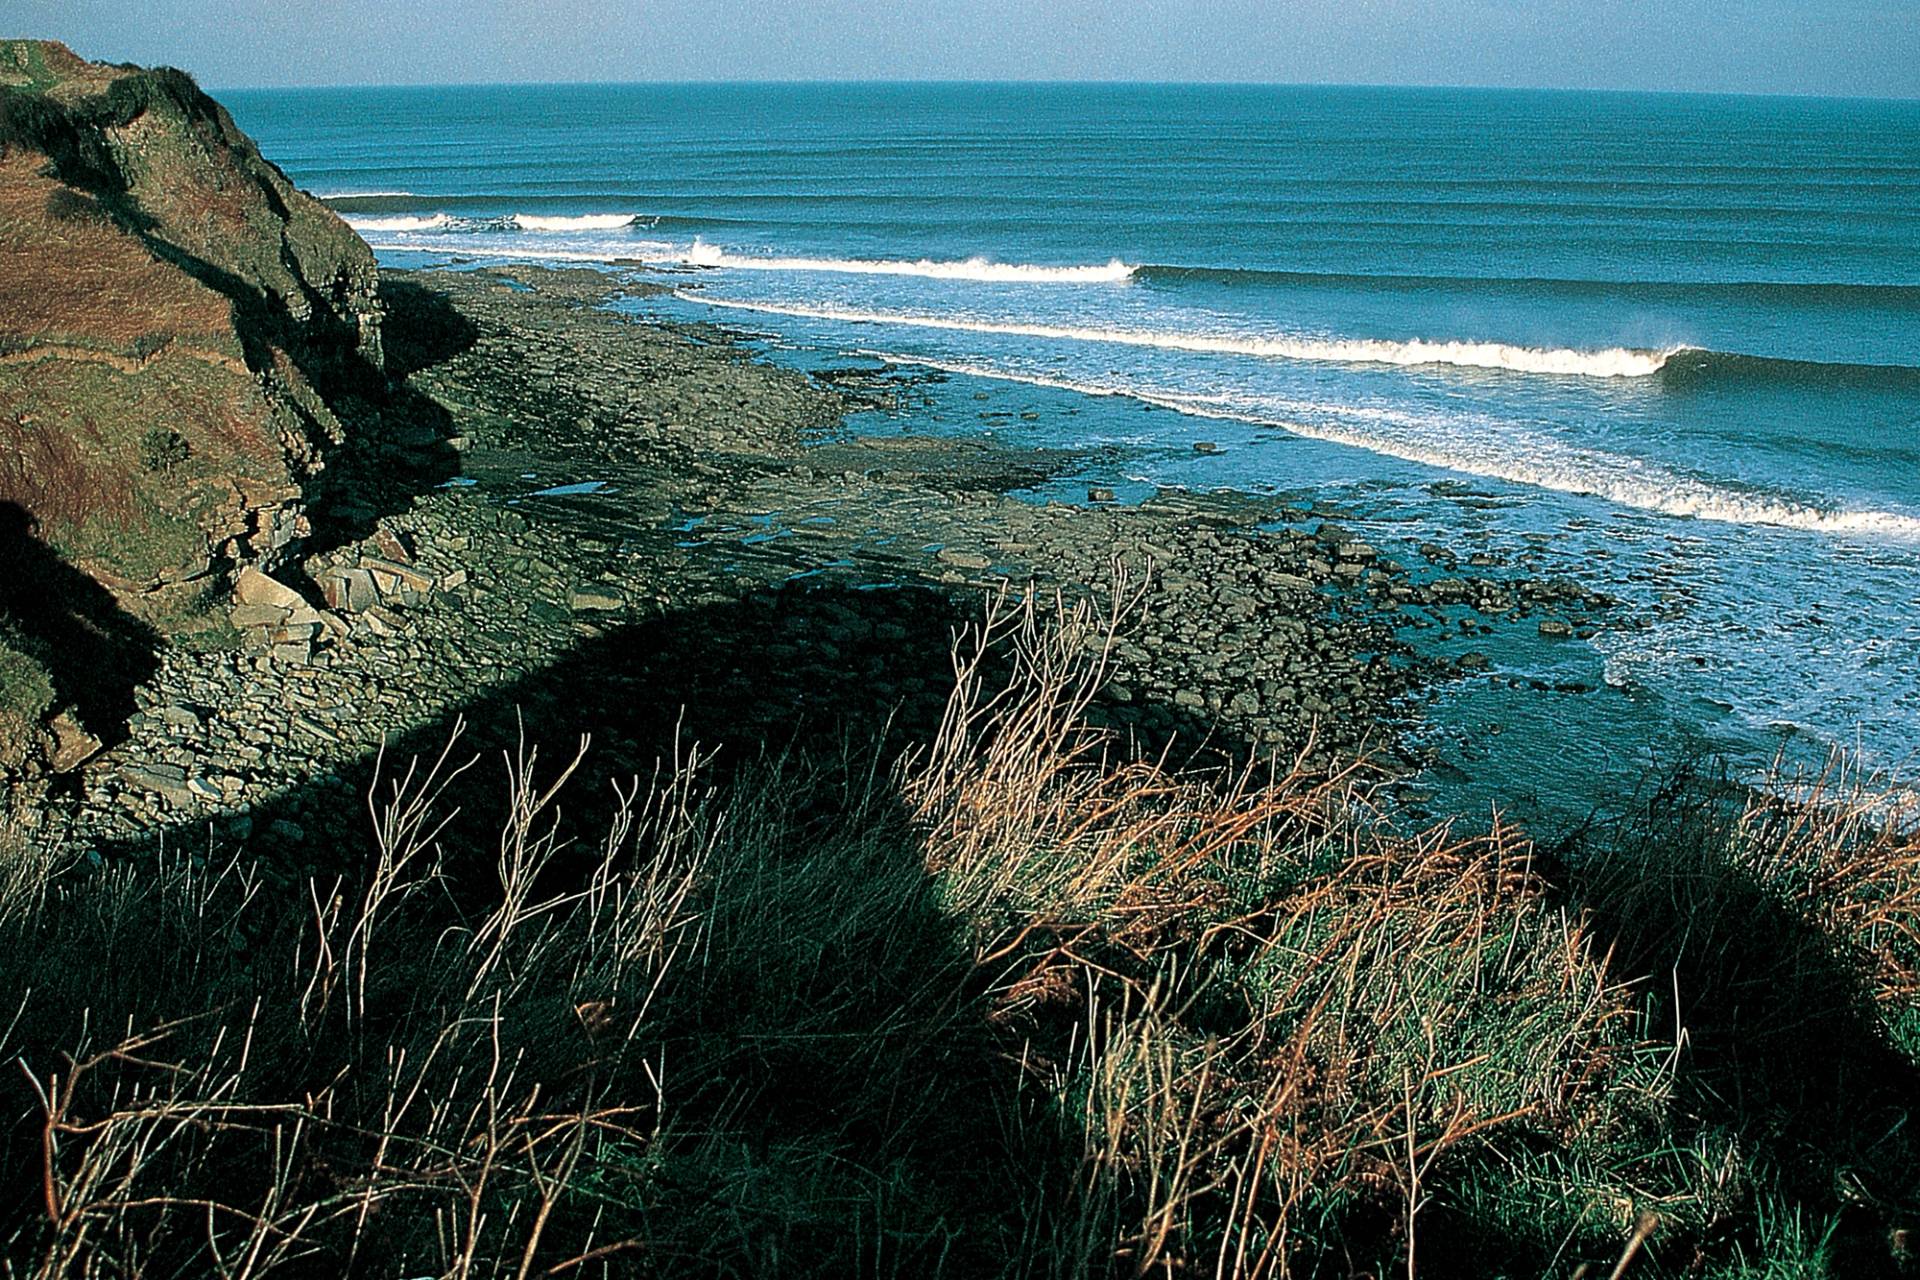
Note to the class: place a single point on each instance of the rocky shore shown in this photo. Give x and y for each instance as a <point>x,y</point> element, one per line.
<point>649,534</point>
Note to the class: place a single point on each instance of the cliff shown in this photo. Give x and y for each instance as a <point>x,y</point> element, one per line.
<point>181,334</point>
<point>172,314</point>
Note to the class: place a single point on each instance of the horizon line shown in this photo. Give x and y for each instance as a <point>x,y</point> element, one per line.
<point>1013,82</point>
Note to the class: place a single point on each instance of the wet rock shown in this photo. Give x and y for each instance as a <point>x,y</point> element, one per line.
<point>963,559</point>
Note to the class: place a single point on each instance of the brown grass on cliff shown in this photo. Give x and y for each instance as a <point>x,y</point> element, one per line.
<point>46,472</point>
<point>83,281</point>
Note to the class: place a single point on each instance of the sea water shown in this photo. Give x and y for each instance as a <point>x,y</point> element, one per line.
<point>1667,345</point>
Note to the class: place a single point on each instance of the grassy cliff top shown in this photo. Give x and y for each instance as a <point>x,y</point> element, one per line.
<point>47,66</point>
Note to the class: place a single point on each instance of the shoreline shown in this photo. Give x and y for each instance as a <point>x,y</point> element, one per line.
<point>692,476</point>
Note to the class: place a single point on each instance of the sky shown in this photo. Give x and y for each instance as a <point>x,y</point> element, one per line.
<point>1831,47</point>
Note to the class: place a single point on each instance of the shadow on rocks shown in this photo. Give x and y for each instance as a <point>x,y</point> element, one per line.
<point>399,440</point>
<point>834,1041</point>
<point>95,651</point>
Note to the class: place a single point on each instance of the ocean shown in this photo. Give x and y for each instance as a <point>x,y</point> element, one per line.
<point>1666,345</point>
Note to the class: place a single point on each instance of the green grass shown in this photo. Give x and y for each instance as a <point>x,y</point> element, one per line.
<point>1010,1006</point>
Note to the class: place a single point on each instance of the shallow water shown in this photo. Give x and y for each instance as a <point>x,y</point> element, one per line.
<point>1668,344</point>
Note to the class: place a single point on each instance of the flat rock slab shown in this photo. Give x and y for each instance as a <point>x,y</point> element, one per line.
<point>597,602</point>
<point>252,587</point>
<point>166,780</point>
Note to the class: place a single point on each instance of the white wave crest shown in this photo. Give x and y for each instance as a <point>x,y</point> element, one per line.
<point>360,195</point>
<point>981,269</point>
<point>583,222</point>
<point>1516,459</point>
<point>1615,362</point>
<point>434,222</point>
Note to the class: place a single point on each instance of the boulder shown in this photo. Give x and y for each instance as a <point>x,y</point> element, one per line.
<point>247,616</point>
<point>72,745</point>
<point>252,587</point>
<point>169,781</point>
<point>351,590</point>
<point>391,576</point>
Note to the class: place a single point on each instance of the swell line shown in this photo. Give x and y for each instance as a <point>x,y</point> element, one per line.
<point>1615,362</point>
<point>980,269</point>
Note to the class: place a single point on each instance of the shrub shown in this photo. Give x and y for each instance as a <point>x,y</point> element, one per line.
<point>162,449</point>
<point>26,695</point>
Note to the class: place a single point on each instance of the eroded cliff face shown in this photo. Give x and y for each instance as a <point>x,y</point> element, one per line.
<point>180,332</point>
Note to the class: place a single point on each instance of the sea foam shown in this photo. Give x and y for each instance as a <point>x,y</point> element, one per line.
<point>980,269</point>
<point>1613,362</point>
<point>641,251</point>
<point>581,222</point>
<point>433,222</point>
<point>1516,459</point>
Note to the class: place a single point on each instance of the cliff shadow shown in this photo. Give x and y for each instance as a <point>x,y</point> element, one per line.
<point>399,440</point>
<point>96,652</point>
<point>841,1103</point>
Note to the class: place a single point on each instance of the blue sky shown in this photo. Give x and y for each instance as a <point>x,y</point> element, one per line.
<point>1865,47</point>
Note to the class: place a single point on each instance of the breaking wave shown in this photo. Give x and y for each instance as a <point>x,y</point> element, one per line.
<point>432,222</point>
<point>1522,459</point>
<point>642,253</point>
<point>982,269</point>
<point>579,222</point>
<point>1615,362</point>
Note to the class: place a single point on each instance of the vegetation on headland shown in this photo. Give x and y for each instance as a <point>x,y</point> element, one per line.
<point>1014,1004</point>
